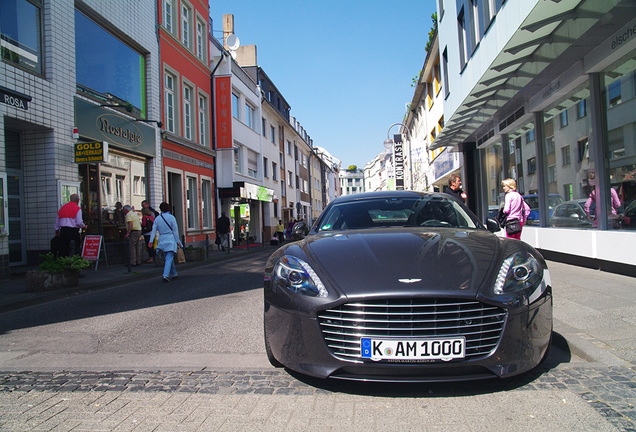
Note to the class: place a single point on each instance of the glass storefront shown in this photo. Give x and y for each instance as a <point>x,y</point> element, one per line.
<point>494,176</point>
<point>619,94</point>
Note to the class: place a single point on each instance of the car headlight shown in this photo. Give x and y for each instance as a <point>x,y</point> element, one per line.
<point>298,276</point>
<point>521,273</point>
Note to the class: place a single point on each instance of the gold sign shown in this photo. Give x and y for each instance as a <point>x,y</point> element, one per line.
<point>92,152</point>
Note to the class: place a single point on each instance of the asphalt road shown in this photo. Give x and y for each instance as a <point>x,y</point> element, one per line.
<point>208,317</point>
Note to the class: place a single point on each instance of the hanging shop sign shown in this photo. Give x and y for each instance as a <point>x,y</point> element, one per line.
<point>223,101</point>
<point>99,124</point>
<point>91,152</point>
<point>398,155</point>
<point>15,99</point>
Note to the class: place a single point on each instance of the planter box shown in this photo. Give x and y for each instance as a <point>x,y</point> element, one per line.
<point>194,254</point>
<point>40,280</point>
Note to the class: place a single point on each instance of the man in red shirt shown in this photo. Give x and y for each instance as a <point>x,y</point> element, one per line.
<point>67,226</point>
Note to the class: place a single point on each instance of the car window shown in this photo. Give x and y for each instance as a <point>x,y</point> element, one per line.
<point>427,211</point>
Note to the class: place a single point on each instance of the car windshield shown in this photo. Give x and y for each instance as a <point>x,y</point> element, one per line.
<point>426,211</point>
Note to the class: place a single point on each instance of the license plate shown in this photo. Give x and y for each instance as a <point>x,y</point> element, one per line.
<point>413,349</point>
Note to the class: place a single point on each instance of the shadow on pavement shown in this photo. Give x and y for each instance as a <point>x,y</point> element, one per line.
<point>558,353</point>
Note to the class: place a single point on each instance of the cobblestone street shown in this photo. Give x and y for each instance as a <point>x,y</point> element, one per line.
<point>275,400</point>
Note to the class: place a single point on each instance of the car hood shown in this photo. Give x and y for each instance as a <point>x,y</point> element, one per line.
<point>407,262</point>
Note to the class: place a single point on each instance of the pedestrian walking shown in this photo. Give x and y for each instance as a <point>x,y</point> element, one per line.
<point>223,231</point>
<point>515,209</point>
<point>133,234</point>
<point>67,226</point>
<point>280,232</point>
<point>166,227</point>
<point>147,221</point>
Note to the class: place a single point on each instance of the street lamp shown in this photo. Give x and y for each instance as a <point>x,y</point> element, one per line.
<point>389,144</point>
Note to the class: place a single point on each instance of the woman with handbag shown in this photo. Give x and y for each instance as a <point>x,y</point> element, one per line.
<point>166,226</point>
<point>515,209</point>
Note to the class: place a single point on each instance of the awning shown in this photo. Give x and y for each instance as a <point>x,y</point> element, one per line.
<point>551,29</point>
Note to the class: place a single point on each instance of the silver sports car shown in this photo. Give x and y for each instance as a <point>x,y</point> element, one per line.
<point>406,286</point>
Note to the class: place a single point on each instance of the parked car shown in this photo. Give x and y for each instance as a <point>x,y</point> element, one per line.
<point>406,286</point>
<point>533,201</point>
<point>570,214</point>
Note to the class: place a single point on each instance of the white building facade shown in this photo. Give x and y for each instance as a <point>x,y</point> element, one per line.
<point>543,92</point>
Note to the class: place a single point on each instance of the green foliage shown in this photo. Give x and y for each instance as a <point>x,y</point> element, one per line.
<point>352,168</point>
<point>431,34</point>
<point>57,264</point>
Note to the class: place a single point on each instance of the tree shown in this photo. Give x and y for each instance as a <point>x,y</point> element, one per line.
<point>352,168</point>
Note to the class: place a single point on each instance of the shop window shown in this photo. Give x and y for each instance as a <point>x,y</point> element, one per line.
<point>565,155</point>
<point>567,191</point>
<point>4,208</point>
<point>123,80</point>
<point>21,33</point>
<point>139,185</point>
<point>206,204</point>
<point>191,203</point>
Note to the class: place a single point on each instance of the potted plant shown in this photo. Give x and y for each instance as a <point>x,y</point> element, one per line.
<point>55,272</point>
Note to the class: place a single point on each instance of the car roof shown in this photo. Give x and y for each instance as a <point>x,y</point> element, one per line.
<point>382,194</point>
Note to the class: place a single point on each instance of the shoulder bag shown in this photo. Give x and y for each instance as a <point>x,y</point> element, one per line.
<point>180,254</point>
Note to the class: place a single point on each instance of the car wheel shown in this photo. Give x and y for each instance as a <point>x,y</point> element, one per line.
<point>270,355</point>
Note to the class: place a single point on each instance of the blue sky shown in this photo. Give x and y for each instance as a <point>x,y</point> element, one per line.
<point>345,67</point>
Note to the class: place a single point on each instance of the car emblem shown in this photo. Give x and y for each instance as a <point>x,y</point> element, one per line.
<point>409,280</point>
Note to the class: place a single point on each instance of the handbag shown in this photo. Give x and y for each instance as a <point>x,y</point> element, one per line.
<point>180,256</point>
<point>513,226</point>
<point>501,217</point>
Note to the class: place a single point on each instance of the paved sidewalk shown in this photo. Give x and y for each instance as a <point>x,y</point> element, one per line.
<point>594,311</point>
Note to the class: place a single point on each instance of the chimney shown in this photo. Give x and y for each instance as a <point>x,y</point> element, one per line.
<point>228,27</point>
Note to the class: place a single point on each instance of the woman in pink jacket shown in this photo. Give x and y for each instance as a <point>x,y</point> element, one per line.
<point>514,206</point>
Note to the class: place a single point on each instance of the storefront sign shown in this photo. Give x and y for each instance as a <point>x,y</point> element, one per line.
<point>120,131</point>
<point>223,101</point>
<point>187,159</point>
<point>398,154</point>
<point>92,152</point>
<point>443,164</point>
<point>92,247</point>
<point>13,98</point>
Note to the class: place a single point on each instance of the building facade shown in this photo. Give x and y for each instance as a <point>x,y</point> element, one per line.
<point>64,103</point>
<point>187,154</point>
<point>543,92</point>
<point>352,181</point>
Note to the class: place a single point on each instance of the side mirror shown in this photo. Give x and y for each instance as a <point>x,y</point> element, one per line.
<point>492,225</point>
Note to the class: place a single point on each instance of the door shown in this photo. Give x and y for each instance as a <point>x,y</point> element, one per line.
<point>175,198</point>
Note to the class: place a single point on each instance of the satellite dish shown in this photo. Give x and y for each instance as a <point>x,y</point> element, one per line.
<point>232,42</point>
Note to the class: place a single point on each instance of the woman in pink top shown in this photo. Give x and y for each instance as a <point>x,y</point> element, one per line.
<point>514,206</point>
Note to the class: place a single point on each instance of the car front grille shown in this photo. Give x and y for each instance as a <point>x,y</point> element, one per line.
<point>343,326</point>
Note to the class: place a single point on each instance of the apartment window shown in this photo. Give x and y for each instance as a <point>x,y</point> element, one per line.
<point>139,185</point>
<point>235,105</point>
<point>249,116</point>
<point>169,81</point>
<point>487,12</point>
<point>168,15</point>
<point>125,77</point>
<point>552,174</point>
<point>614,93</point>
<point>440,4</point>
<point>265,167</point>
<point>187,112</point>
<point>20,29</point>
<point>274,171</point>
<point>304,160</point>
<point>289,151</point>
<point>203,120</point>
<point>445,71</point>
<point>563,118</point>
<point>186,25</point>
<point>191,202</point>
<point>565,155</point>
<point>549,145</point>
<point>238,166</point>
<point>206,204</point>
<point>290,179</point>
<point>201,33</point>
<point>568,191</point>
<point>582,150</point>
<point>530,136</point>
<point>252,165</point>
<point>532,165</point>
<point>462,38</point>
<point>581,109</point>
<point>473,16</point>
<point>272,134</point>
<point>263,128</point>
